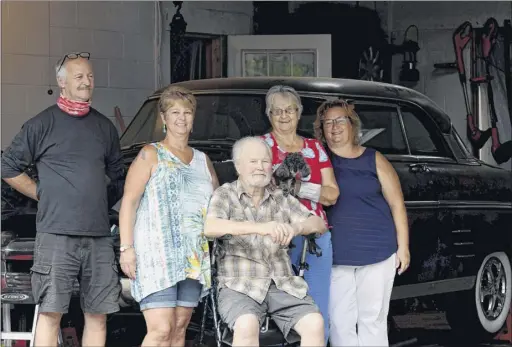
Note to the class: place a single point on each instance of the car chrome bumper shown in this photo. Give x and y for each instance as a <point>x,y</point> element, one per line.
<point>16,286</point>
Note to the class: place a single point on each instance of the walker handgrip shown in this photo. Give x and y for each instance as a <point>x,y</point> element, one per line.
<point>219,250</point>
<point>225,237</point>
<point>313,247</point>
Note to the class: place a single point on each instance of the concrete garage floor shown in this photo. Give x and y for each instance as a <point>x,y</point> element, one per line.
<point>441,338</point>
<point>420,330</point>
<point>430,330</point>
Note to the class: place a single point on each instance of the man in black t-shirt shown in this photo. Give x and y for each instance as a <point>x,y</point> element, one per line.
<point>74,148</point>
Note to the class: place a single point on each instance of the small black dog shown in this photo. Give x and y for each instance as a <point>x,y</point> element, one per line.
<point>286,174</point>
<point>285,178</point>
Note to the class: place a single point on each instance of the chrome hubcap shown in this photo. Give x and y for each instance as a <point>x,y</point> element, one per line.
<point>493,289</point>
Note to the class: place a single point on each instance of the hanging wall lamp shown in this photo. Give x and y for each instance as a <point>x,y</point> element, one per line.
<point>409,49</point>
<point>376,64</point>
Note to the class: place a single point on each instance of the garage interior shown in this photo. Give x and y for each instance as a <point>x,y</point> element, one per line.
<point>138,47</point>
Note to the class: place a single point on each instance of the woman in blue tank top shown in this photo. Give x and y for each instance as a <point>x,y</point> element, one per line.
<point>370,233</point>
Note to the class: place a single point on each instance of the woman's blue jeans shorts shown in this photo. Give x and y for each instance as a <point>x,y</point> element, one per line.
<point>184,293</point>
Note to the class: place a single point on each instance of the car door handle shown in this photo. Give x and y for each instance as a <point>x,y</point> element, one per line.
<point>419,168</point>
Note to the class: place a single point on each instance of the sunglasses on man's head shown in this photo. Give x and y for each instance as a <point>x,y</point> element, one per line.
<point>85,55</point>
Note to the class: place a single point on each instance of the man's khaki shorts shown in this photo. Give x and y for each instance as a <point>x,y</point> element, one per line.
<point>285,310</point>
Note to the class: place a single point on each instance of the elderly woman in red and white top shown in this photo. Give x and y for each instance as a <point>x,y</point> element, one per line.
<point>284,109</point>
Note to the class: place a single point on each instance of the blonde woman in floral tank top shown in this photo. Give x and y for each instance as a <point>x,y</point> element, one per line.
<point>163,250</point>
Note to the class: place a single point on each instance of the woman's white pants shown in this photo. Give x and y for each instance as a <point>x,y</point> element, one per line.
<point>360,298</point>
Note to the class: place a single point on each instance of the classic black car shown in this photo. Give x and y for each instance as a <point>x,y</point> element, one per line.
<point>459,208</point>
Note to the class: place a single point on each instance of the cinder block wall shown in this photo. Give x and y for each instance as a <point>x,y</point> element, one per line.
<point>120,37</point>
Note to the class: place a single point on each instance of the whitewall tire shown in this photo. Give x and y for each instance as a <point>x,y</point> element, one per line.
<point>482,311</point>
<point>493,291</point>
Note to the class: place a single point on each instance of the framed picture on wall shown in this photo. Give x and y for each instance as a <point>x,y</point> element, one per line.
<point>292,63</point>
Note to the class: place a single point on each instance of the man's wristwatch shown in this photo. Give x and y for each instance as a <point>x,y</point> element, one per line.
<point>124,248</point>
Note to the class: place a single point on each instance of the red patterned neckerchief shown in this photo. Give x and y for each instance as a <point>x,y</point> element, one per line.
<point>73,108</point>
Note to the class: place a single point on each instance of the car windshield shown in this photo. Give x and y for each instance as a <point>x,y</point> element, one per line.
<point>218,117</point>
<point>225,117</point>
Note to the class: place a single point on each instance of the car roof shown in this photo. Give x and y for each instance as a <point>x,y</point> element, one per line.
<point>348,88</point>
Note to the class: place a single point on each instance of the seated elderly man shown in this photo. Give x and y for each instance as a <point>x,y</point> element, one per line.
<point>255,275</point>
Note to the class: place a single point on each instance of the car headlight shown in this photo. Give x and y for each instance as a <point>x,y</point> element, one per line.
<point>7,236</point>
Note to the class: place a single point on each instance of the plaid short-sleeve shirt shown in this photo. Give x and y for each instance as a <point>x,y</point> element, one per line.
<point>252,262</point>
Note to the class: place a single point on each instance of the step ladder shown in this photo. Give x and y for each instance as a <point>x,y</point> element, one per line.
<point>7,336</point>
